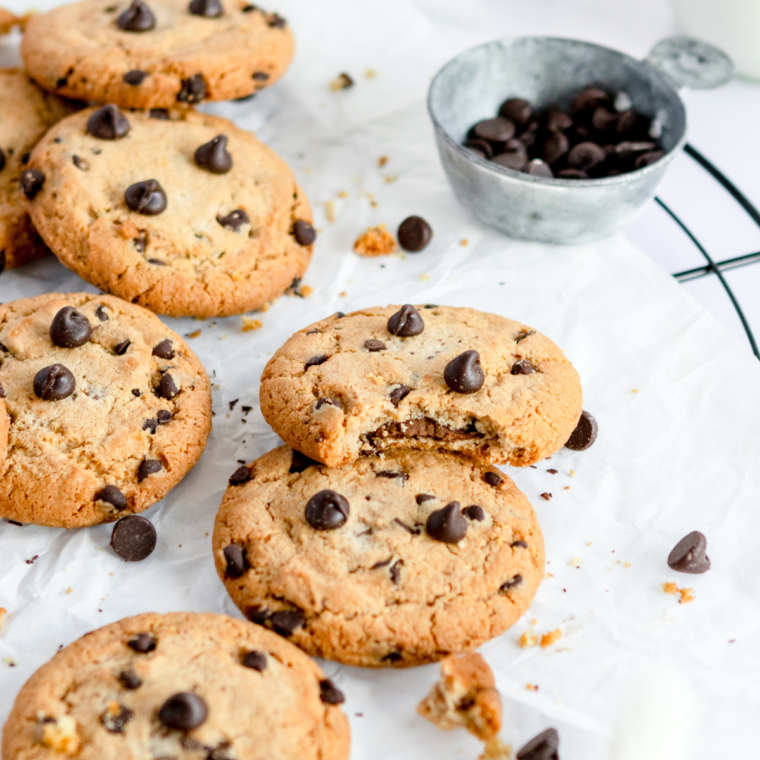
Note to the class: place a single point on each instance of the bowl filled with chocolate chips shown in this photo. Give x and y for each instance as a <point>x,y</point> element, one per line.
<point>563,141</point>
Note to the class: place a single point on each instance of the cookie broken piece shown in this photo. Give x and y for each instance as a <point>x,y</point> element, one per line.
<point>465,696</point>
<point>423,377</point>
<point>376,241</point>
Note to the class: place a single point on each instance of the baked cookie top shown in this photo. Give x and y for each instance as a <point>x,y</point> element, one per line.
<point>426,377</point>
<point>184,686</point>
<point>108,409</point>
<point>184,214</point>
<point>398,559</point>
<point>156,53</point>
<point>27,113</point>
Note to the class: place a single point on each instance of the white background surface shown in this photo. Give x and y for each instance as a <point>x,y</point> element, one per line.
<point>636,675</point>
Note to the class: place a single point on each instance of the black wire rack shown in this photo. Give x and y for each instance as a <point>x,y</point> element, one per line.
<point>714,268</point>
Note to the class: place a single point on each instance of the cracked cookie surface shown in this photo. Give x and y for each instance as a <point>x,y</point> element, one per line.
<point>80,50</point>
<point>346,386</point>
<point>224,243</point>
<point>27,113</point>
<point>104,697</point>
<point>140,396</point>
<point>376,589</point>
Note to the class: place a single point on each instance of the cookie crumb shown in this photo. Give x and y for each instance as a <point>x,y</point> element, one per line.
<point>69,590</point>
<point>550,638</point>
<point>464,242</point>
<point>249,324</point>
<point>330,210</point>
<point>341,82</point>
<point>496,750</point>
<point>306,290</point>
<point>370,73</point>
<point>342,194</point>
<point>382,161</point>
<point>376,241</point>
<point>193,334</point>
<point>3,613</point>
<point>9,661</point>
<point>528,639</point>
<point>575,562</point>
<point>390,178</point>
<point>61,735</point>
<point>626,564</point>
<point>425,277</point>
<point>670,588</point>
<point>531,687</point>
<point>687,595</point>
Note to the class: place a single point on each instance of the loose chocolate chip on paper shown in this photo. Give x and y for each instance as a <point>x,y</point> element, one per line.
<point>523,367</point>
<point>213,156</point>
<point>193,90</point>
<point>70,328</point>
<point>54,383</point>
<point>374,345</point>
<point>133,539</point>
<point>397,395</point>
<point>463,374</point>
<point>135,77</point>
<point>234,554</point>
<point>164,349</point>
<point>147,197</point>
<point>142,643</point>
<point>206,8</point>
<point>517,110</point>
<point>304,232</point>
<point>447,525</point>
<point>330,694</point>
<point>255,661</point>
<point>414,234</point>
<point>406,322</point>
<point>184,711</point>
<point>234,220</point>
<point>167,388</point>
<point>137,18</point>
<point>688,555</point>
<point>31,182</point>
<point>474,512</point>
<point>113,496</point>
<point>241,476</point>
<point>148,467</point>
<point>115,719</point>
<point>545,746</point>
<point>287,622</point>
<point>327,510</point>
<point>585,433</point>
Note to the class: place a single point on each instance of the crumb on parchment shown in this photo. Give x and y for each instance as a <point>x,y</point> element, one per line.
<point>382,161</point>
<point>3,613</point>
<point>551,638</point>
<point>376,241</point>
<point>342,82</point>
<point>531,687</point>
<point>249,324</point>
<point>193,334</point>
<point>528,639</point>
<point>686,594</point>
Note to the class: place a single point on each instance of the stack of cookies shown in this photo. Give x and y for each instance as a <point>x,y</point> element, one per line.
<point>180,212</point>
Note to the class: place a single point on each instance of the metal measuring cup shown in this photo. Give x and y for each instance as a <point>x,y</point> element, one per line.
<point>549,71</point>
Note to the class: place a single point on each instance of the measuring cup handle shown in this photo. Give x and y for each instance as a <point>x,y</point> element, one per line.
<point>691,63</point>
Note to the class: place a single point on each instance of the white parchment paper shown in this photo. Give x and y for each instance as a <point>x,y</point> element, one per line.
<point>635,674</point>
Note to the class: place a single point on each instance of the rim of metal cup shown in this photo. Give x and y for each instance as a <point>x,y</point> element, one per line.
<point>498,169</point>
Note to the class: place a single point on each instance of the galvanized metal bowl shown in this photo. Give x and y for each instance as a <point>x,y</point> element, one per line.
<point>550,71</point>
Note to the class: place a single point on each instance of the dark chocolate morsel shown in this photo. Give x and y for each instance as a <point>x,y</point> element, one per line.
<point>2,159</point>
<point>163,349</point>
<point>589,97</point>
<point>235,556</point>
<point>483,147</point>
<point>421,498</point>
<point>556,145</point>
<point>276,21</point>
<point>70,328</point>
<point>397,395</point>
<point>649,158</point>
<point>167,388</point>
<point>148,467</point>
<point>159,114</point>
<point>688,555</point>
<point>115,718</point>
<point>517,110</point>
<point>523,367</point>
<point>494,130</point>
<point>406,322</point>
<point>494,479</point>
<point>511,583</point>
<point>163,416</point>
<point>193,90</point>
<point>545,746</point>
<point>234,220</point>
<point>146,197</point>
<point>414,234</point>
<point>585,156</point>
<point>142,643</point>
<point>133,539</point>
<point>374,345</point>
<point>113,496</point>
<point>240,477</point>
<point>585,433</point>
<point>121,348</point>
<point>519,544</point>
<point>206,8</point>
<point>135,77</point>
<point>327,510</point>
<point>447,524</point>
<point>474,512</point>
<point>260,76</point>
<point>315,361</point>
<point>330,694</point>
<point>213,156</point>
<point>538,168</point>
<point>54,383</point>
<point>151,425</point>
<point>184,711</point>
<point>286,622</point>
<point>255,661</point>
<point>137,18</point>
<point>301,462</point>
<point>393,474</point>
<point>512,160</point>
<point>304,232</point>
<point>130,680</point>
<point>557,120</point>
<point>463,374</point>
<point>31,182</point>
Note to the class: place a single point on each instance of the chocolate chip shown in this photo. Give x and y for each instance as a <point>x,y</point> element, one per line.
<point>121,348</point>
<point>147,197</point>
<point>414,234</point>
<point>494,479</point>
<point>286,622</point>
<point>80,164</point>
<point>397,395</point>
<point>511,583</point>
<point>585,433</point>
<point>474,512</point>
<point>248,8</point>
<point>315,361</point>
<point>447,524</point>
<point>327,510</point>
<point>517,110</point>
<point>406,322</point>
<point>235,556</point>
<point>464,374</point>
<point>537,168</point>
<point>556,145</point>
<point>395,571</point>
<point>585,156</point>
<point>136,392</point>
<point>133,539</point>
<point>148,467</point>
<point>141,242</point>
<point>649,158</point>
<point>423,497</point>
<point>402,476</point>
<point>2,260</point>
<point>255,661</point>
<point>206,8</point>
<point>496,130</point>
<point>688,555</point>
<point>150,425</point>
<point>545,746</point>
<point>70,328</point>
<point>2,391</point>
<point>2,159</point>
<point>158,262</point>
<point>258,615</point>
<point>160,114</point>
<point>167,388</point>
<point>523,367</point>
<point>130,680</point>
<point>519,545</point>
<point>115,720</point>
<point>234,220</point>
<point>589,97</point>
<point>557,120</point>
<point>193,90</point>
<point>164,349</point>
<point>137,18</point>
<point>512,160</point>
<point>113,496</point>
<point>213,156</point>
<point>142,643</point>
<point>260,76</point>
<point>31,182</point>
<point>374,345</point>
<point>54,383</point>
<point>164,416</point>
<point>571,174</point>
<point>304,233</point>
<point>301,462</point>
<point>240,477</point>
<point>483,147</point>
<point>184,711</point>
<point>327,402</point>
<point>135,77</point>
<point>524,335</point>
<point>276,21</point>
<point>407,528</point>
<point>330,694</point>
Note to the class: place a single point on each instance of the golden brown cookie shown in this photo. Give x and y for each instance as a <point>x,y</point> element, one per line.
<point>109,409</point>
<point>426,377</point>
<point>185,213</point>
<point>185,686</point>
<point>157,53</point>
<point>398,559</point>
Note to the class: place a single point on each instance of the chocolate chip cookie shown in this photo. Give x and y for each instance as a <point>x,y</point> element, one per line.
<point>183,685</point>
<point>7,21</point>
<point>398,559</point>
<point>108,409</point>
<point>185,214</point>
<point>27,113</point>
<point>423,377</point>
<point>157,53</point>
